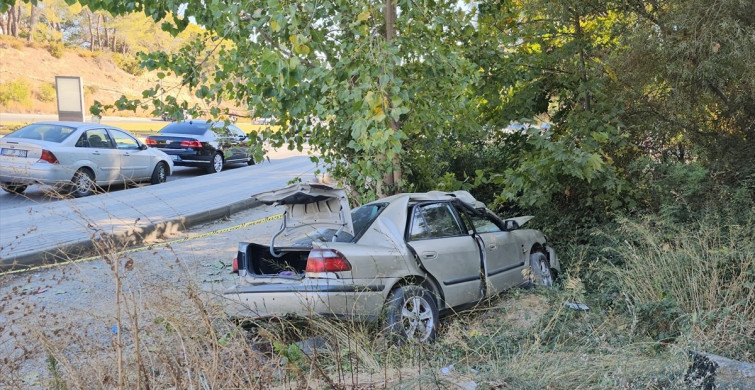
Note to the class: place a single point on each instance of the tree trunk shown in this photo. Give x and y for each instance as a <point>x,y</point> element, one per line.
<point>91,32</point>
<point>32,21</point>
<point>582,60</point>
<point>99,35</point>
<point>113,45</point>
<point>392,178</point>
<point>12,22</point>
<point>107,37</point>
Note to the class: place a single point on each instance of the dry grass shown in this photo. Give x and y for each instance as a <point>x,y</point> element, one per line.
<point>168,330</point>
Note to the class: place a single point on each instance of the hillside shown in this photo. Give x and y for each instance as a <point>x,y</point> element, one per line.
<point>34,66</point>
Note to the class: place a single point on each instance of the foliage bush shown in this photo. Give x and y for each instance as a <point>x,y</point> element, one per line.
<point>128,64</point>
<point>46,92</point>
<point>56,49</point>
<point>17,90</point>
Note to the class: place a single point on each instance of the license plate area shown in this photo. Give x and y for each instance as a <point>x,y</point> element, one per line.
<point>13,152</point>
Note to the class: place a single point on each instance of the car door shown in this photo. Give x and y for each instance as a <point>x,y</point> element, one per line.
<point>96,146</point>
<point>446,251</point>
<point>135,163</point>
<point>503,258</point>
<point>231,139</point>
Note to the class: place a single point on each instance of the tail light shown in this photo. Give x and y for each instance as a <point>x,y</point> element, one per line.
<point>235,267</point>
<point>48,156</point>
<point>191,144</point>
<point>150,142</point>
<point>327,260</point>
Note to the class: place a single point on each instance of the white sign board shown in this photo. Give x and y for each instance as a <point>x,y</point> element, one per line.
<point>70,92</point>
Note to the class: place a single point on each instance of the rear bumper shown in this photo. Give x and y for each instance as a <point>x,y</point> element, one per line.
<point>37,173</point>
<point>190,158</point>
<point>306,298</point>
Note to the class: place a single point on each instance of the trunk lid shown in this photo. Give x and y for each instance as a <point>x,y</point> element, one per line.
<point>311,206</point>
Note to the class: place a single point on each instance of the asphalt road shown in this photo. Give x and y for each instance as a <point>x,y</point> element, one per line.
<point>38,194</point>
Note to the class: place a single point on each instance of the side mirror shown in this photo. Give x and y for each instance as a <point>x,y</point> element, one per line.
<point>510,225</point>
<point>143,146</point>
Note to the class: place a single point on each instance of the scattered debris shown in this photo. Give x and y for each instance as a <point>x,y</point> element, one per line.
<point>447,370</point>
<point>577,306</point>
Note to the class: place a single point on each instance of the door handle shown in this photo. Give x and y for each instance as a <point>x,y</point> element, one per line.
<point>429,255</point>
<point>492,246</point>
<point>96,153</point>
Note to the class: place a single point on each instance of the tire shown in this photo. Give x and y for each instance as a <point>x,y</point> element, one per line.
<point>13,188</point>
<point>541,270</point>
<point>82,183</point>
<point>217,164</point>
<point>250,161</point>
<point>160,174</point>
<point>411,315</point>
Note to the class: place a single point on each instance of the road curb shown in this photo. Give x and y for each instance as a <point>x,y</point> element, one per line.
<point>99,242</point>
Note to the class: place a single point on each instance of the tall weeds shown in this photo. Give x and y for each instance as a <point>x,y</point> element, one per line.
<point>697,279</point>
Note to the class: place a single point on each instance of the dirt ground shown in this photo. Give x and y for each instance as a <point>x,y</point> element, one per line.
<point>81,295</point>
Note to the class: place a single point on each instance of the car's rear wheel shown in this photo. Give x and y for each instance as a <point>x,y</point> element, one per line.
<point>82,183</point>
<point>217,164</point>
<point>160,174</point>
<point>541,270</point>
<point>13,188</point>
<point>411,314</point>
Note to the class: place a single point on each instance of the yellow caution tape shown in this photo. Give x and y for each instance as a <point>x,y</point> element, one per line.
<point>151,246</point>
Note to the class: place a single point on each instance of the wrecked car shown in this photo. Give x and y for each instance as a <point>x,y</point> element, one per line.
<point>401,260</point>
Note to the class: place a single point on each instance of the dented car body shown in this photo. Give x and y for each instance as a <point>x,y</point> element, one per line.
<point>402,259</point>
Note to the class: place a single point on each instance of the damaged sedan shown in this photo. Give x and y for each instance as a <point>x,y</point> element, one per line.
<point>402,260</point>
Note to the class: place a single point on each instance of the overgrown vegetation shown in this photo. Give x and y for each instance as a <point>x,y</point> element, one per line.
<point>631,142</point>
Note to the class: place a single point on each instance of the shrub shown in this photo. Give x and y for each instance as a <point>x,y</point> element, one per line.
<point>46,92</point>
<point>128,64</point>
<point>56,49</point>
<point>15,91</point>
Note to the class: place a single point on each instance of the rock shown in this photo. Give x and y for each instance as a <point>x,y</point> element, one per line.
<point>708,371</point>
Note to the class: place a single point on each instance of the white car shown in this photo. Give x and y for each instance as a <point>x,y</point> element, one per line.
<point>77,157</point>
<point>402,259</point>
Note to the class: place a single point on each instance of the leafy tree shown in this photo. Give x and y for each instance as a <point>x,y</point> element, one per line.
<point>545,61</point>
<point>371,81</point>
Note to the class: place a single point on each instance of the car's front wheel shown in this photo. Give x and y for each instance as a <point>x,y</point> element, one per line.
<point>82,183</point>
<point>217,164</point>
<point>541,270</point>
<point>411,314</point>
<point>160,174</point>
<point>13,188</point>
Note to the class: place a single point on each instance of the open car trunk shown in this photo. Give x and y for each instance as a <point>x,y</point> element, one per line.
<point>313,213</point>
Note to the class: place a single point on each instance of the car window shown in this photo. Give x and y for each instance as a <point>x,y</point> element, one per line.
<point>96,138</point>
<point>435,220</point>
<point>124,141</point>
<point>484,224</point>
<point>43,132</point>
<point>236,131</point>
<point>362,217</point>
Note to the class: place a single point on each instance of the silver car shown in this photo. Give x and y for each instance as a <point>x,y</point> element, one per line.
<point>401,260</point>
<point>77,156</point>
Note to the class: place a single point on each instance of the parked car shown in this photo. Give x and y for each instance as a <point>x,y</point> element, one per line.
<point>199,143</point>
<point>403,259</point>
<point>77,156</point>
